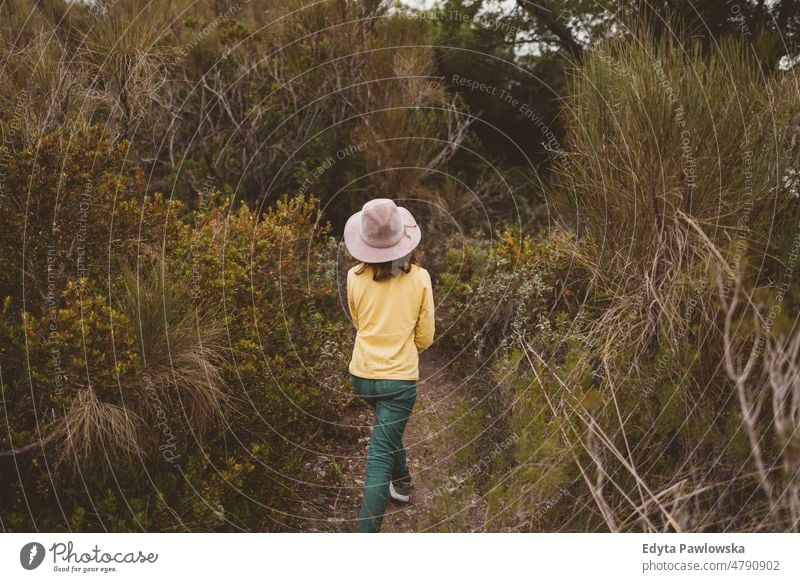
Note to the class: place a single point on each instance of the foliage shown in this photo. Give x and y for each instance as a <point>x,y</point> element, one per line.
<point>172,350</point>
<point>140,387</point>
<point>677,159</point>
<point>645,389</point>
<point>263,97</point>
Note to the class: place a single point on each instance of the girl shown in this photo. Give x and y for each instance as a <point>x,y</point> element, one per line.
<point>391,304</point>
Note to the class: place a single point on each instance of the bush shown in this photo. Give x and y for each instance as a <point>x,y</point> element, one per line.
<point>623,376</point>
<point>162,368</point>
<point>498,293</point>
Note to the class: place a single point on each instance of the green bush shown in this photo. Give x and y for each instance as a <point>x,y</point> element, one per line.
<point>183,373</point>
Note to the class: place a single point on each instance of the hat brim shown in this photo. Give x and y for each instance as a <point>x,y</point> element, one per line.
<point>363,252</point>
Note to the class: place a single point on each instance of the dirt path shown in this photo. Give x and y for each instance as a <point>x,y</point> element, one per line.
<point>429,445</point>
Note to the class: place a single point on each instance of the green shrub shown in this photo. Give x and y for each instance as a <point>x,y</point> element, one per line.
<point>182,375</point>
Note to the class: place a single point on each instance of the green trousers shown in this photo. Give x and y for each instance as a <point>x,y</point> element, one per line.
<point>393,401</point>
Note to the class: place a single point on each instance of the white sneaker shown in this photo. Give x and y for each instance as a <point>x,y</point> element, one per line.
<point>400,493</point>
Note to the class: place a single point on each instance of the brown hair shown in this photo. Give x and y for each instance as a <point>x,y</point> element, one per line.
<point>381,271</point>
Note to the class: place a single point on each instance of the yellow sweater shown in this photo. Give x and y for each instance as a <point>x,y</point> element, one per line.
<point>394,319</point>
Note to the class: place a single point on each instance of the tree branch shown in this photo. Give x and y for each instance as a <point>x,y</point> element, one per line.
<point>548,19</point>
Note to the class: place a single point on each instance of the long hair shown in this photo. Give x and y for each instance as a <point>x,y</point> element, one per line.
<point>381,271</point>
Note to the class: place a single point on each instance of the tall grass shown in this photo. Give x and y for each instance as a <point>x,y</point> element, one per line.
<point>680,176</point>
<point>651,379</point>
<point>182,344</point>
<point>673,152</point>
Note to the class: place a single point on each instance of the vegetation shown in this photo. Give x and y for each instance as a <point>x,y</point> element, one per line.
<point>610,216</point>
<point>638,337</point>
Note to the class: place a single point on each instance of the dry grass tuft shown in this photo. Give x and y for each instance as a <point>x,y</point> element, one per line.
<point>91,426</point>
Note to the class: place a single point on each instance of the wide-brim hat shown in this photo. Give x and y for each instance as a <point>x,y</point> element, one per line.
<point>381,231</point>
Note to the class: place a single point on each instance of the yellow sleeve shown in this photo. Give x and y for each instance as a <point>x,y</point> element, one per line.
<point>350,301</point>
<point>426,326</point>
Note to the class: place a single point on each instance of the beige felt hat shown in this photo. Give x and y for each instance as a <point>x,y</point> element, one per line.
<point>381,231</point>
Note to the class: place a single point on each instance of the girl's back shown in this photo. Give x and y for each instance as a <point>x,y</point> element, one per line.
<point>394,319</point>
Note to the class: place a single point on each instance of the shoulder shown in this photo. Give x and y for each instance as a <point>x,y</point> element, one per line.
<point>422,274</point>
<point>351,272</point>
<point>352,277</point>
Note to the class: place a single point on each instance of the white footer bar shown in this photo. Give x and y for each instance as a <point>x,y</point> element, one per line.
<point>401,557</point>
